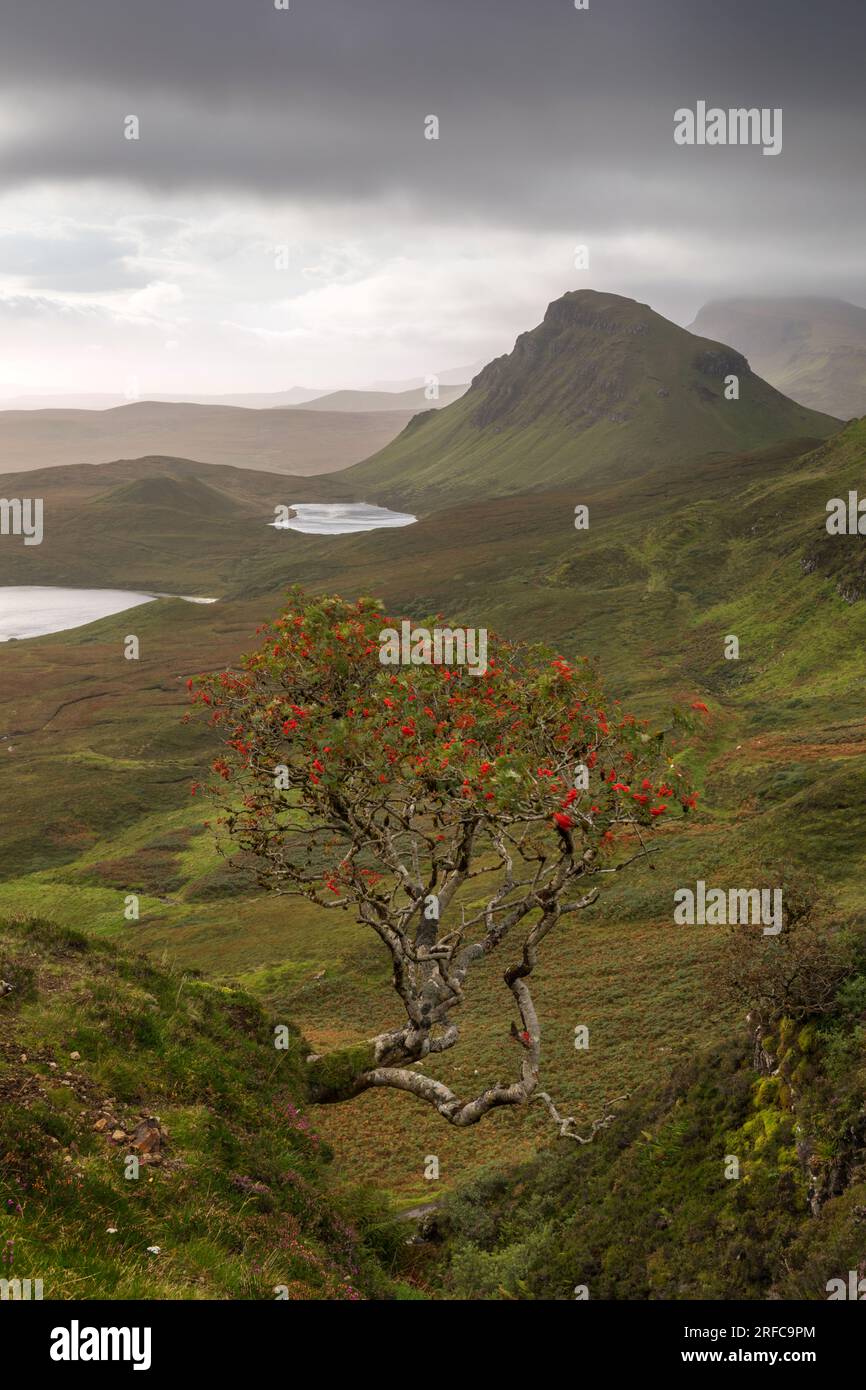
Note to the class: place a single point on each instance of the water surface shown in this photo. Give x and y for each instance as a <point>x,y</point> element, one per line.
<point>33,610</point>
<point>340,518</point>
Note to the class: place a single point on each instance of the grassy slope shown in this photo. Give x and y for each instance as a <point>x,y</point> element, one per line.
<point>667,568</point>
<point>91,1041</point>
<point>648,1211</point>
<point>164,524</point>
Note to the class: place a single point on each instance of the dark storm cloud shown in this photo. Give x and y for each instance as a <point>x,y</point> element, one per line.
<point>553,120</point>
<point>547,114</point>
<point>219,48</point>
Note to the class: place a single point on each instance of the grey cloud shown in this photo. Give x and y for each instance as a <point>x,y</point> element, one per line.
<point>378,48</point>
<point>327,100</point>
<point>551,119</point>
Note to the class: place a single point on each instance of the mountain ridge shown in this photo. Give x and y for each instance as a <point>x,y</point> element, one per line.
<point>602,382</point>
<point>812,348</point>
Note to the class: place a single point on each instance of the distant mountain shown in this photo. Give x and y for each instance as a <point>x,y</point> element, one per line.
<point>413,400</point>
<point>451,376</point>
<point>379,395</point>
<point>292,441</point>
<point>97,400</point>
<point>250,400</point>
<point>603,385</point>
<point>812,349</point>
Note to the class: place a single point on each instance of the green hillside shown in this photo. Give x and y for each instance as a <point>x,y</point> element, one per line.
<point>104,1055</point>
<point>604,387</point>
<point>189,497</point>
<point>154,523</point>
<point>667,568</point>
<point>813,349</point>
<point>674,559</point>
<point>653,1208</point>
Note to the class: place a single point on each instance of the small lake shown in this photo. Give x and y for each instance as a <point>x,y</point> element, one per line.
<point>32,610</point>
<point>340,518</point>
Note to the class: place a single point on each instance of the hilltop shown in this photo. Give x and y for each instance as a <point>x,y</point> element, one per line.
<point>603,387</point>
<point>812,349</point>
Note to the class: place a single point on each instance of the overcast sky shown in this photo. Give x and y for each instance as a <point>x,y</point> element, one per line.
<point>270,136</point>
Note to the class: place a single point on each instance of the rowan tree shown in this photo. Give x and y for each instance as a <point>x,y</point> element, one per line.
<point>445,809</point>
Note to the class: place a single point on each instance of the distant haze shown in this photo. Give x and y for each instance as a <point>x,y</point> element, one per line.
<point>298,442</point>
<point>812,349</point>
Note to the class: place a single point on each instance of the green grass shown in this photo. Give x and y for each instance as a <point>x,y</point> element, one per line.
<point>653,1208</point>
<point>672,562</point>
<point>239,1202</point>
<point>603,387</point>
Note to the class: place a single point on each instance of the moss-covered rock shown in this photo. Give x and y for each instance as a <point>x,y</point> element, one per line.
<point>337,1075</point>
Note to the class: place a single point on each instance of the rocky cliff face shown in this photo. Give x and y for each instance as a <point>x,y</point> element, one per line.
<point>591,359</point>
